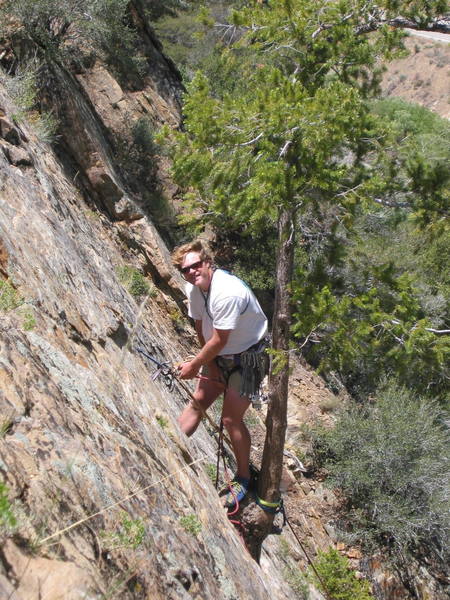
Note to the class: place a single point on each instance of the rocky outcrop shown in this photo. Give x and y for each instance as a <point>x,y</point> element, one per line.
<point>87,435</point>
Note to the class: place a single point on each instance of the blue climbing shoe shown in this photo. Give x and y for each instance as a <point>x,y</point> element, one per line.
<point>240,487</point>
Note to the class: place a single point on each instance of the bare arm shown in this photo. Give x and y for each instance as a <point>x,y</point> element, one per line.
<point>210,350</point>
<point>198,329</point>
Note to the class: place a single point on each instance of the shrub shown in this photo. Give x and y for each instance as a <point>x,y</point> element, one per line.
<point>337,579</point>
<point>191,524</point>
<point>392,462</point>
<point>134,281</point>
<point>103,26</point>
<point>23,87</point>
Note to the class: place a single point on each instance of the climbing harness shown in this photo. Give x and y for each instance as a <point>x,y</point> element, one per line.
<point>253,365</point>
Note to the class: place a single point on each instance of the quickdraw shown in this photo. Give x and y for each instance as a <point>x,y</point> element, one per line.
<point>163,369</point>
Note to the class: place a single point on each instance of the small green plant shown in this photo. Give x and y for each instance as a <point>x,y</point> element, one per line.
<point>337,579</point>
<point>162,421</point>
<point>5,424</point>
<point>130,533</point>
<point>134,281</point>
<point>9,297</point>
<point>177,319</point>
<point>211,471</point>
<point>191,524</point>
<point>279,360</point>
<point>29,321</point>
<point>7,517</point>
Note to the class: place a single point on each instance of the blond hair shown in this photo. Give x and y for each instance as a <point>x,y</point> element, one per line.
<point>196,246</point>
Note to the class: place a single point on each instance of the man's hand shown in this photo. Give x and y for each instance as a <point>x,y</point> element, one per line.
<point>187,370</point>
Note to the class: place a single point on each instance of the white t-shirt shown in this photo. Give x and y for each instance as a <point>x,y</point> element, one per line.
<point>231,305</point>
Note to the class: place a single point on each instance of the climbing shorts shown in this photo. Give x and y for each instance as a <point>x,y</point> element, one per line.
<point>230,375</point>
<point>245,372</point>
<point>231,372</point>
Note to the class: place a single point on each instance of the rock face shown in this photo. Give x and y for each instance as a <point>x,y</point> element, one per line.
<point>109,498</point>
<point>86,435</point>
<point>421,76</point>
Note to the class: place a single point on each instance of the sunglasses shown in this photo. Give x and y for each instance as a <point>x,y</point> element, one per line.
<point>193,266</point>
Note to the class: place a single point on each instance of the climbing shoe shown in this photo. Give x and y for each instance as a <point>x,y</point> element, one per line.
<point>239,486</point>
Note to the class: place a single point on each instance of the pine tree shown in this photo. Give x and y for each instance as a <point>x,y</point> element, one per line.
<point>289,133</point>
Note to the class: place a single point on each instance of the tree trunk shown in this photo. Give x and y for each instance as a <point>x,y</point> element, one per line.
<point>257,521</point>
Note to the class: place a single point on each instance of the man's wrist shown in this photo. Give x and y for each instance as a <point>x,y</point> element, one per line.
<point>196,363</point>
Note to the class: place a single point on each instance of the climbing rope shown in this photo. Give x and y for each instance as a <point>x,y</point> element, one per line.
<point>319,578</point>
<point>230,513</point>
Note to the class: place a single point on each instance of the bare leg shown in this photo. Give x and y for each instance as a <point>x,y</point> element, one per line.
<point>205,394</point>
<point>234,408</point>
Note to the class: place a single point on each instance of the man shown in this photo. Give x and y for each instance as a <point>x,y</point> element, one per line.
<point>230,325</point>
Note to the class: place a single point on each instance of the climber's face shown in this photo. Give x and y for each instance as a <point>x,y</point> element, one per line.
<point>197,271</point>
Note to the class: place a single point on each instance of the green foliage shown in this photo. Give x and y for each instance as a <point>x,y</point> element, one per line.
<point>7,517</point>
<point>380,331</point>
<point>189,37</point>
<point>391,460</point>
<point>101,26</point>
<point>29,321</point>
<point>372,297</point>
<point>301,110</point>
<point>162,421</point>
<point>337,579</point>
<point>279,360</point>
<point>134,281</point>
<point>191,524</point>
<point>111,32</point>
<point>9,296</point>
<point>211,471</point>
<point>23,87</point>
<point>422,158</point>
<point>130,533</point>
